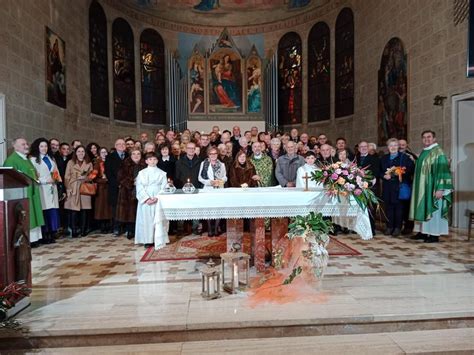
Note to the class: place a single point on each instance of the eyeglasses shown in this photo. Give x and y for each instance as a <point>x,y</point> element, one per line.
<point>212,153</point>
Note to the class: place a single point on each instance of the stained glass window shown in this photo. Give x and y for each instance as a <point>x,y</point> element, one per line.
<point>344,100</point>
<point>152,63</point>
<point>124,66</point>
<point>99,76</point>
<point>290,73</point>
<point>319,83</point>
<point>392,100</point>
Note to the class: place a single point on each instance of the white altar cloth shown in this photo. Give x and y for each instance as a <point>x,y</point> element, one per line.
<point>262,202</point>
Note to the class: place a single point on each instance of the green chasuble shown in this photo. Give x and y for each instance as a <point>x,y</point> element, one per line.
<point>264,169</point>
<point>431,174</point>
<point>25,166</point>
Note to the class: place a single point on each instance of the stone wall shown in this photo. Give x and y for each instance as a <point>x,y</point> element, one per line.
<point>436,50</point>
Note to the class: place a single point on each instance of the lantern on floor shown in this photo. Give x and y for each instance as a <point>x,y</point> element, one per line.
<point>211,281</point>
<point>235,271</point>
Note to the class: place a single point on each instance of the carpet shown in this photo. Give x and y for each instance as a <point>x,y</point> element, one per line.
<point>195,247</point>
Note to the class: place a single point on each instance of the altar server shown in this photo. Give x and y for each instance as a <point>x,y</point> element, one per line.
<point>150,182</point>
<point>306,170</point>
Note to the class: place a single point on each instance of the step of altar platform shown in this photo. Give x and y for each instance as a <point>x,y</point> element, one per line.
<point>240,332</point>
<point>445,341</point>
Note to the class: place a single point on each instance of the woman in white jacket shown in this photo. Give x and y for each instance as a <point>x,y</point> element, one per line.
<point>212,174</point>
<point>48,175</point>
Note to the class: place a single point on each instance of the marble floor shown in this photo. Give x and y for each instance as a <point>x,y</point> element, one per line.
<point>398,296</point>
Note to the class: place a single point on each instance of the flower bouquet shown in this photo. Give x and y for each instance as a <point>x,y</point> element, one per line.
<point>347,179</point>
<point>396,171</point>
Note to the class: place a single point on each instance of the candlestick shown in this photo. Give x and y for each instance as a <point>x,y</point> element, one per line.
<point>236,275</point>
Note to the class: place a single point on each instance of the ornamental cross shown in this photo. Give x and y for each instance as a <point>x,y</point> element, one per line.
<point>306,178</point>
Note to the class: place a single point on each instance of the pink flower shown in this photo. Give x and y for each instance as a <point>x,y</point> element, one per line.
<point>357,192</point>
<point>345,172</point>
<point>325,173</point>
<point>350,176</point>
<point>338,171</point>
<point>334,176</point>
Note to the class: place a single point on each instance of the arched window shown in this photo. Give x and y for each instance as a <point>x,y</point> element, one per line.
<point>392,113</point>
<point>290,73</point>
<point>98,71</point>
<point>319,83</point>
<point>152,66</point>
<point>124,71</point>
<point>344,100</point>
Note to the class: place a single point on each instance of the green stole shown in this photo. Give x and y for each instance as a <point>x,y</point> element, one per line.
<point>33,192</point>
<point>431,174</point>
<point>264,168</point>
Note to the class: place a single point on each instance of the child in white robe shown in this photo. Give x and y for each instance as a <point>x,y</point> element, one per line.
<point>308,168</point>
<point>149,183</point>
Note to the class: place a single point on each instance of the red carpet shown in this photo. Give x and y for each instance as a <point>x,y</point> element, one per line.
<point>194,247</point>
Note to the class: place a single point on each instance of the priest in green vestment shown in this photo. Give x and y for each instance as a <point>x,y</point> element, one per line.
<point>19,160</point>
<point>263,166</point>
<point>432,191</point>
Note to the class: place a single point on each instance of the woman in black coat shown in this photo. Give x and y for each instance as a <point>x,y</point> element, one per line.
<point>166,162</point>
<point>391,185</point>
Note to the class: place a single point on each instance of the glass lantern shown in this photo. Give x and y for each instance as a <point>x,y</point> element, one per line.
<point>188,188</point>
<point>211,281</point>
<point>169,187</point>
<point>235,271</point>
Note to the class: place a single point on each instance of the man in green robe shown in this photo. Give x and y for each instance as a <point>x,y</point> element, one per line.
<point>432,191</point>
<point>263,166</point>
<point>19,160</point>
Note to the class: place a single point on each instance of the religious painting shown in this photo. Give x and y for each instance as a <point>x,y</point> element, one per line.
<point>297,4</point>
<point>196,74</point>
<point>225,82</point>
<point>344,98</point>
<point>290,73</point>
<point>123,71</point>
<point>55,69</point>
<point>319,81</point>
<point>98,62</point>
<point>254,82</point>
<point>206,5</point>
<point>152,69</point>
<point>470,45</point>
<point>392,111</point>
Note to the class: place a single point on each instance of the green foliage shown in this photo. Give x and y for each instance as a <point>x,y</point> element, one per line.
<point>294,273</point>
<point>313,222</point>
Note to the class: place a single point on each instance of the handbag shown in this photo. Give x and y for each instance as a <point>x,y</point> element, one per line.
<point>404,193</point>
<point>88,189</point>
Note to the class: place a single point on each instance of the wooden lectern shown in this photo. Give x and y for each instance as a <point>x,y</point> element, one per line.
<point>14,205</point>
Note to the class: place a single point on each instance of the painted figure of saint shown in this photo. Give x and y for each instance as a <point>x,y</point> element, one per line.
<point>224,84</point>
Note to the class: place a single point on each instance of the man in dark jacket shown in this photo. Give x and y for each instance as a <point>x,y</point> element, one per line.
<point>187,167</point>
<point>372,163</point>
<point>113,164</point>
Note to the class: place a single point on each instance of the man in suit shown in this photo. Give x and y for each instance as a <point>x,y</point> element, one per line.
<point>62,157</point>
<point>113,164</point>
<point>372,163</point>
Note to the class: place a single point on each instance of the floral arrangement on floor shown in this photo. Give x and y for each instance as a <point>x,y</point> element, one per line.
<point>314,229</point>
<point>347,179</point>
<point>9,296</point>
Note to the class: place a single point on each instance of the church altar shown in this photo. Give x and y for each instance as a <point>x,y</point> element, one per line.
<point>272,202</point>
<point>235,204</point>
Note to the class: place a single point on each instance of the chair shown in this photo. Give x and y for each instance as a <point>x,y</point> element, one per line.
<point>470,222</point>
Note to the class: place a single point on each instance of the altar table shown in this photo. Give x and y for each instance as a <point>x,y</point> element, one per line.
<point>258,203</point>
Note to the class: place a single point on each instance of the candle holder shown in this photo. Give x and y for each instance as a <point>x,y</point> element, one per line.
<point>211,281</point>
<point>169,187</point>
<point>235,271</point>
<point>189,188</point>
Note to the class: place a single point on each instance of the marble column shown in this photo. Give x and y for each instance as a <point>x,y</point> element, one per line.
<point>235,232</point>
<point>279,229</point>
<point>258,244</point>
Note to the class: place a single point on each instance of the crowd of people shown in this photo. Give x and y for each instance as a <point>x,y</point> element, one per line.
<point>85,188</point>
